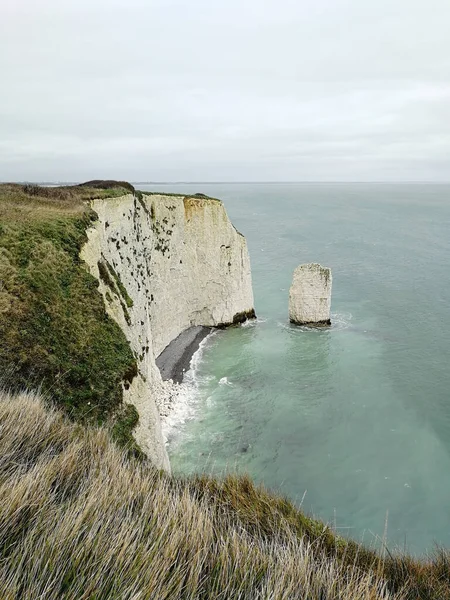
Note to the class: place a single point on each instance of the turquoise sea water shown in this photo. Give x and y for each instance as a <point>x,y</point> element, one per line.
<point>353,422</point>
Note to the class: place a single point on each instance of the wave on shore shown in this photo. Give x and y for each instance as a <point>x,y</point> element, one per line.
<point>339,321</point>
<point>185,395</point>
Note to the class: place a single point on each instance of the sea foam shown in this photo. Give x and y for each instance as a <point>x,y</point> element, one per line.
<point>184,404</point>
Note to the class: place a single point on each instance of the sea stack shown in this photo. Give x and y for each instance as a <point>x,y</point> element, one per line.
<point>310,295</point>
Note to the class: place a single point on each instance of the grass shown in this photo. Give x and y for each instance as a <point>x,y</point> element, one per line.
<point>54,330</point>
<point>110,278</point>
<point>79,518</point>
<point>122,290</point>
<point>125,420</point>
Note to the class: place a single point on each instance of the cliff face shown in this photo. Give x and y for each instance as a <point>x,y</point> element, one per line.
<point>165,263</point>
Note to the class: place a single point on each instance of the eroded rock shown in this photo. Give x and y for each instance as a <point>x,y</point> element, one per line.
<point>165,264</point>
<point>310,295</point>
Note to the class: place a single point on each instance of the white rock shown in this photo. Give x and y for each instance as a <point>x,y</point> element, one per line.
<point>310,295</point>
<point>182,263</point>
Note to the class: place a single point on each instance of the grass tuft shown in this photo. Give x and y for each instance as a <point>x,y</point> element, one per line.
<point>80,518</point>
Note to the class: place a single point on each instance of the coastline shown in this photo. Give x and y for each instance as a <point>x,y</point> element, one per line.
<point>172,396</point>
<point>175,359</point>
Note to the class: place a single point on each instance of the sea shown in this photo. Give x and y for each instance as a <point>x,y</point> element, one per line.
<point>352,423</point>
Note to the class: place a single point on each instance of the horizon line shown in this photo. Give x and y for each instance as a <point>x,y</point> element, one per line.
<point>243,182</point>
<point>274,182</point>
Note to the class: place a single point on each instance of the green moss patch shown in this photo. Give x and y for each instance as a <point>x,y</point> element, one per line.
<point>122,289</point>
<point>125,421</point>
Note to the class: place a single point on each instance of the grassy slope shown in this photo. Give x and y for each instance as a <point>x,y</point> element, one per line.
<point>78,519</point>
<point>54,331</point>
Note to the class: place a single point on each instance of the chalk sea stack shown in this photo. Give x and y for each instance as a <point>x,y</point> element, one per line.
<point>310,295</point>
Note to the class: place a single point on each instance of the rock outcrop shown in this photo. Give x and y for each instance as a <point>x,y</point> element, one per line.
<point>310,295</point>
<point>164,264</point>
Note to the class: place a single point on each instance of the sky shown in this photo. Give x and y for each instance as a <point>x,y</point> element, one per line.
<point>225,90</point>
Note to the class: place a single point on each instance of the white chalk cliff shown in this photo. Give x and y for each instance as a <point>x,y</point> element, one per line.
<point>165,263</point>
<point>310,295</point>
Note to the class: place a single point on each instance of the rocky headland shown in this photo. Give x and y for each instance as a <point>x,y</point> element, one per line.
<point>166,264</point>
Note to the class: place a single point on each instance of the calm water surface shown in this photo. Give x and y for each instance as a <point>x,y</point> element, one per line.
<point>353,421</point>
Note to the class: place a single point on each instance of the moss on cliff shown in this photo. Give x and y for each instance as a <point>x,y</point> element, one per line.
<point>110,278</point>
<point>54,330</point>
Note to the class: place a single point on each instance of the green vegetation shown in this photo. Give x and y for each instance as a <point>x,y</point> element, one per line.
<point>105,276</point>
<point>54,331</point>
<point>108,184</point>
<point>126,419</point>
<point>122,290</point>
<point>110,278</point>
<point>198,196</point>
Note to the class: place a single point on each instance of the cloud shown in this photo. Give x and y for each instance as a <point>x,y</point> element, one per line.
<point>155,90</point>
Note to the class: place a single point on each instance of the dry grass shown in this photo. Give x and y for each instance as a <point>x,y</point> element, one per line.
<point>78,519</point>
<point>23,202</point>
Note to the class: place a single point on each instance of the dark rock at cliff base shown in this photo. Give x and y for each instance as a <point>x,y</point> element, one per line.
<point>238,319</point>
<point>325,323</point>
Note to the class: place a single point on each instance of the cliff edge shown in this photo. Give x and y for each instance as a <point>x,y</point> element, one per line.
<point>165,263</point>
<point>95,281</point>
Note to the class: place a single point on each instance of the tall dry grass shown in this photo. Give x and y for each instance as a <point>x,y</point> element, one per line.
<point>78,519</point>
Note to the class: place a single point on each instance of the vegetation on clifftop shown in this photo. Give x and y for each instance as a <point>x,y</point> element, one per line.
<point>54,330</point>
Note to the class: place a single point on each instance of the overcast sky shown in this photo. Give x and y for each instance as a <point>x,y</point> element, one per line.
<point>218,90</point>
